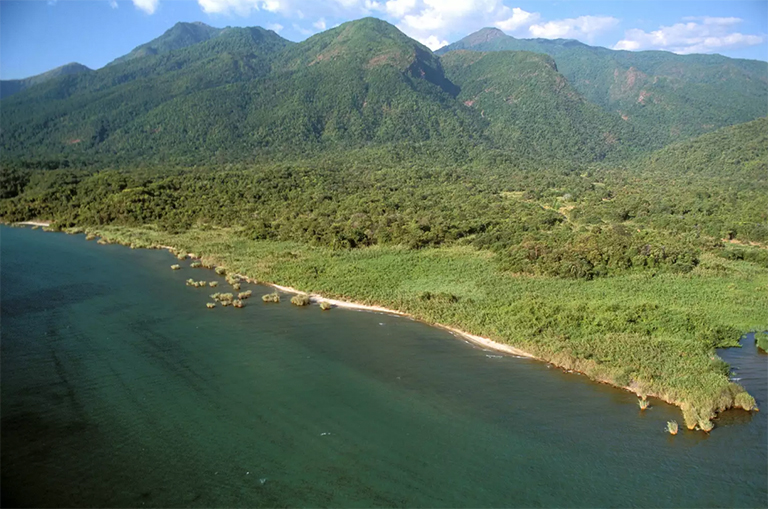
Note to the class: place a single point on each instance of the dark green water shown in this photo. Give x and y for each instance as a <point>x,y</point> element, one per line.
<point>119,388</point>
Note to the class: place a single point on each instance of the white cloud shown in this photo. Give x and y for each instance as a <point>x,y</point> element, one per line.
<point>148,6</point>
<point>275,27</point>
<point>710,34</point>
<point>399,8</point>
<point>520,19</point>
<point>240,7</point>
<point>434,43</point>
<point>319,24</point>
<point>113,4</point>
<point>301,30</point>
<point>583,27</point>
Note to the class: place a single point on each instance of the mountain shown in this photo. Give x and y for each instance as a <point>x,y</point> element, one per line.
<point>247,93</point>
<point>242,92</point>
<point>670,96</point>
<point>10,87</point>
<point>530,106</point>
<point>179,36</point>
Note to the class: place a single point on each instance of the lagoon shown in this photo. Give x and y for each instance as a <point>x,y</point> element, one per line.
<point>119,388</point>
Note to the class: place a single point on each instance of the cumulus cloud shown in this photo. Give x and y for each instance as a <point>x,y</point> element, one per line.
<point>583,27</point>
<point>433,42</point>
<point>398,8</point>
<point>275,27</point>
<point>698,35</point>
<point>319,24</point>
<point>148,6</point>
<point>113,4</point>
<point>240,7</point>
<point>519,19</point>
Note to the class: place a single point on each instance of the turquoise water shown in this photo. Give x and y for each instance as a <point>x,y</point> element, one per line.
<point>119,388</point>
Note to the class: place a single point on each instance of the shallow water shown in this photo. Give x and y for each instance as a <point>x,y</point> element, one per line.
<point>119,388</point>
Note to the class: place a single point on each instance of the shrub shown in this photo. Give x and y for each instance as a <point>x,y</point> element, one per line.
<point>90,236</point>
<point>672,427</point>
<point>236,287</point>
<point>213,284</point>
<point>271,297</point>
<point>181,256</point>
<point>210,305</point>
<point>221,271</point>
<point>706,425</point>
<point>745,400</point>
<point>643,403</point>
<point>191,282</point>
<point>195,265</point>
<point>226,303</point>
<point>175,267</point>
<point>325,306</point>
<point>238,303</point>
<point>244,295</point>
<point>761,340</point>
<point>300,300</point>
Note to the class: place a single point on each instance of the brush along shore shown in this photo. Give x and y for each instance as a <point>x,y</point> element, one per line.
<point>653,334</point>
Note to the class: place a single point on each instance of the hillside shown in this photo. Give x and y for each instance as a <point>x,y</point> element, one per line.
<point>671,96</point>
<point>530,106</point>
<point>10,87</point>
<point>229,95</point>
<point>179,36</point>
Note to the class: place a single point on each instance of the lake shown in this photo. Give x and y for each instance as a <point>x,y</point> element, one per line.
<point>119,388</point>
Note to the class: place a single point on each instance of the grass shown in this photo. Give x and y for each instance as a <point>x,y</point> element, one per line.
<point>643,403</point>
<point>90,236</point>
<point>236,287</point>
<point>238,303</point>
<point>175,267</point>
<point>210,305</point>
<point>213,284</point>
<point>672,427</point>
<point>653,333</point>
<point>221,271</point>
<point>244,295</point>
<point>196,265</point>
<point>325,306</point>
<point>271,297</point>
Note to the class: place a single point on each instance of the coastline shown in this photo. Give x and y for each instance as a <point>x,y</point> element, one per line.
<point>692,416</point>
<point>33,223</point>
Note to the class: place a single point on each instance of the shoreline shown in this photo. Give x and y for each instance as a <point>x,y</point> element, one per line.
<point>34,223</point>
<point>476,340</point>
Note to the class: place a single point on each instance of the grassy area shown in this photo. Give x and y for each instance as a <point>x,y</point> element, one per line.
<point>653,334</point>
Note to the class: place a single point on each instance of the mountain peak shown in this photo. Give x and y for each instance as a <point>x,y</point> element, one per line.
<point>180,35</point>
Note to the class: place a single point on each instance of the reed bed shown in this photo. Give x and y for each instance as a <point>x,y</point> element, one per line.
<point>300,300</point>
<point>195,265</point>
<point>325,306</point>
<point>672,427</point>
<point>210,305</point>
<point>271,297</point>
<point>244,295</point>
<point>175,267</point>
<point>643,403</point>
<point>213,284</point>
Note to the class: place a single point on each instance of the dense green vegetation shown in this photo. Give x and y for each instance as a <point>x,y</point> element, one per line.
<point>667,96</point>
<point>237,94</point>
<point>10,87</point>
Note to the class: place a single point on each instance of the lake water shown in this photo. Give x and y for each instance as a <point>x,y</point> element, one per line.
<point>119,388</point>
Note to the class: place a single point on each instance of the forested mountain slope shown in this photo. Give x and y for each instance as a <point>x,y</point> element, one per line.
<point>10,87</point>
<point>672,96</point>
<point>228,95</point>
<point>529,104</point>
<point>179,36</point>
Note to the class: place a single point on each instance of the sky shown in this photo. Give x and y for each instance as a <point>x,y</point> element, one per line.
<point>38,35</point>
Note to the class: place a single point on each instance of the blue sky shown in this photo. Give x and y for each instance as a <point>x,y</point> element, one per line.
<point>38,35</point>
